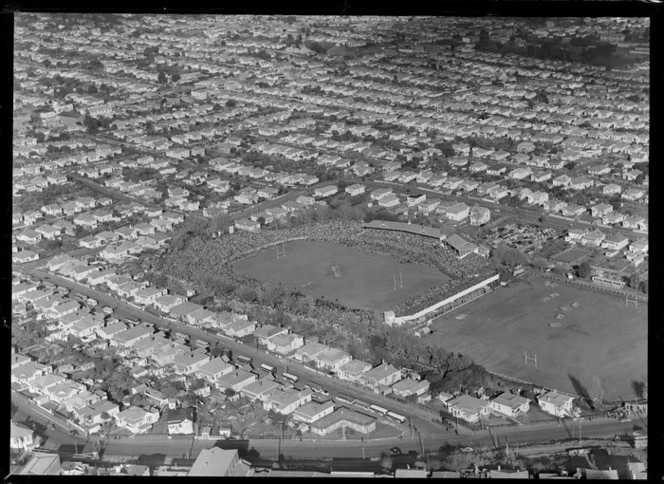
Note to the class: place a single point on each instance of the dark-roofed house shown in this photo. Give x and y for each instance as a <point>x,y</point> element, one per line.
<point>181,421</point>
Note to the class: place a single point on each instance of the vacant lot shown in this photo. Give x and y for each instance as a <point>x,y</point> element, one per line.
<point>357,279</point>
<point>598,337</point>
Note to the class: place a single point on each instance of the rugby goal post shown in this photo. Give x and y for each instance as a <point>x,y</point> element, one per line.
<point>531,359</point>
<point>631,299</point>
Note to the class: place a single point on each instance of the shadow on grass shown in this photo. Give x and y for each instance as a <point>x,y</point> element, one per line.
<point>579,389</point>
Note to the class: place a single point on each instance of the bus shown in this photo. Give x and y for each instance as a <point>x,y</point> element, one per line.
<point>361,404</point>
<point>342,397</point>
<point>316,387</point>
<point>290,377</point>
<point>202,344</point>
<point>268,368</point>
<point>243,359</point>
<point>181,336</point>
<point>397,417</point>
<point>133,321</point>
<point>378,409</point>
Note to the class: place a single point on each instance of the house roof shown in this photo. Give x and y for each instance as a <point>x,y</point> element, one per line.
<point>213,462</point>
<point>180,415</point>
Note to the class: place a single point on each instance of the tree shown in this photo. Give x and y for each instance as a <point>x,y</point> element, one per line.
<point>584,270</point>
<point>175,77</point>
<point>386,463</point>
<point>643,286</point>
<point>161,78</point>
<point>596,392</point>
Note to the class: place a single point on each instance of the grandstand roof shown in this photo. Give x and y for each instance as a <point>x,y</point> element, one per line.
<point>403,227</point>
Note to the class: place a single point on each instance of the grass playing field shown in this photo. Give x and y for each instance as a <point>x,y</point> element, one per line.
<point>357,279</point>
<point>598,337</point>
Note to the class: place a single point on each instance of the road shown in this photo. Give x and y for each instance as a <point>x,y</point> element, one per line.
<point>325,449</point>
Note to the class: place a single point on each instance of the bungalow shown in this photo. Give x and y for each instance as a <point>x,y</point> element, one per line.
<point>267,331</point>
<point>388,201</point>
<point>184,309</point>
<point>344,417</point>
<point>148,295</point>
<point>556,404</point>
<point>312,411</point>
<point>479,215</point>
<point>236,380</point>
<point>639,246</point>
<point>613,218</point>
<point>353,370</point>
<point>575,235</point>
<point>601,209</point>
<point>29,236</point>
<point>593,238</point>
<point>331,359</point>
<point>541,176</point>
<point>510,405</point>
<point>408,387</point>
<point>136,420</point>
<point>240,328</point>
<point>248,225</point>
<point>285,401</point>
<point>129,337</point>
<point>458,212</point>
<point>469,408</point>
<point>611,189</point>
<point>201,316</point>
<point>354,190</point>
<point>52,209</point>
<point>615,242</point>
<point>285,343</point>
<point>326,191</point>
<point>580,183</point>
<point>214,369</point>
<point>167,302</point>
<point>413,200</point>
<point>383,374</point>
<point>180,421</point>
<point>188,363</point>
<point>633,194</point>
<point>260,389</point>
<point>308,352</point>
<point>634,222</point>
<point>21,438</point>
<point>574,210</point>
<point>24,256</point>
<point>380,193</point>
<point>561,181</point>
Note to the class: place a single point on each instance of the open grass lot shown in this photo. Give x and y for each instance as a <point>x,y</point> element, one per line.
<point>362,280</point>
<point>599,337</point>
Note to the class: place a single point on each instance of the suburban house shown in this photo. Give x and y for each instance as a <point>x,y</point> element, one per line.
<point>167,302</point>
<point>308,352</point>
<point>313,411</point>
<point>236,380</point>
<point>510,404</point>
<point>188,363</point>
<point>260,389</point>
<point>214,369</point>
<point>181,421</point>
<point>407,387</point>
<point>21,438</point>
<point>382,375</point>
<point>458,212</point>
<point>331,359</point>
<point>352,190</point>
<point>615,241</point>
<point>593,238</point>
<point>136,420</point>
<point>285,401</point>
<point>353,370</point>
<point>220,463</point>
<point>468,408</point>
<point>267,331</point>
<point>556,404</point>
<point>344,418</point>
<point>285,343</point>
<point>326,191</point>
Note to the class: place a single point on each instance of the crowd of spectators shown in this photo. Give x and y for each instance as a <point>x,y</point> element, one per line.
<point>209,261</point>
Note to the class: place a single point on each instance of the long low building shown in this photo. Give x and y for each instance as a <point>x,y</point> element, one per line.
<point>344,417</point>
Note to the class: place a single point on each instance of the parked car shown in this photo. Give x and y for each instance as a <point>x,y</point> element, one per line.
<point>395,451</point>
